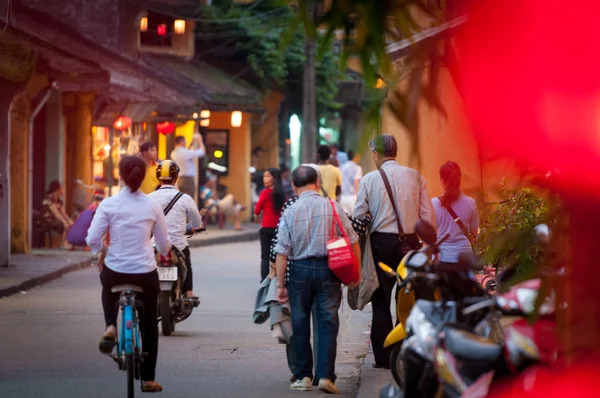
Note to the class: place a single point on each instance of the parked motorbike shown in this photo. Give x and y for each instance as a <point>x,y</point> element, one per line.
<point>173,306</point>
<point>462,300</point>
<point>468,364</point>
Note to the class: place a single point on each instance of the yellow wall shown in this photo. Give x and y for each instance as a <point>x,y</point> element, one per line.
<point>238,180</point>
<point>266,134</point>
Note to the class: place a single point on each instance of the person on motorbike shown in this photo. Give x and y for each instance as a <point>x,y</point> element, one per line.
<point>182,215</point>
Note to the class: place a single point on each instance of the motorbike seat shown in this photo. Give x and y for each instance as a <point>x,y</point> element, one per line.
<point>124,288</point>
<point>469,347</point>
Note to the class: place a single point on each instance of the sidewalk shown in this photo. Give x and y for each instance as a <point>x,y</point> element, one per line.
<point>42,266</point>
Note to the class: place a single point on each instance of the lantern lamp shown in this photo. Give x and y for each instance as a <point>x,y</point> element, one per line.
<point>179,26</point>
<point>144,24</point>
<point>236,119</point>
<point>205,114</point>
<point>165,128</point>
<point>122,123</point>
<point>205,122</point>
<point>161,30</point>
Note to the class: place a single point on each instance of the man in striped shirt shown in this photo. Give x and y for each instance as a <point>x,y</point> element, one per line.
<point>304,230</point>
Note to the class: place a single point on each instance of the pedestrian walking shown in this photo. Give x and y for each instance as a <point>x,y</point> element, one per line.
<point>339,158</point>
<point>351,175</point>
<point>456,215</point>
<point>131,218</point>
<point>185,157</point>
<point>303,235</point>
<point>396,198</point>
<point>270,203</point>
<point>331,177</point>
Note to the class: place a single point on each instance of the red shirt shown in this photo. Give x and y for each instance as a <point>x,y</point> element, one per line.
<point>265,204</point>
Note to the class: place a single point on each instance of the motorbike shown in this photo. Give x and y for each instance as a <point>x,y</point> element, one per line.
<point>173,306</point>
<point>462,300</point>
<point>468,365</point>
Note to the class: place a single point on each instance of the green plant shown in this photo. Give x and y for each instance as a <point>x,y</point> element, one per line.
<point>506,236</point>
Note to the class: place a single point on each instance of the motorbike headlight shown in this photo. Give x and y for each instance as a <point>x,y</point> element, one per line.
<point>424,333</point>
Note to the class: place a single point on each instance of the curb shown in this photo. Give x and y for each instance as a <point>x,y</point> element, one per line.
<point>46,278</point>
<point>353,346</point>
<point>221,240</point>
<point>43,279</point>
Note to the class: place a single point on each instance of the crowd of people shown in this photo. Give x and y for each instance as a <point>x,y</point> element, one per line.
<point>384,206</point>
<point>296,211</point>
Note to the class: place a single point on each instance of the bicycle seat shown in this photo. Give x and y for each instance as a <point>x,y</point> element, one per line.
<point>124,288</point>
<point>469,347</point>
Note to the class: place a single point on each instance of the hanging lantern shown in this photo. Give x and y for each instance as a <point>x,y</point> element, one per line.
<point>165,128</point>
<point>236,119</point>
<point>122,123</point>
<point>195,115</point>
<point>205,114</point>
<point>144,24</point>
<point>205,122</point>
<point>179,26</point>
<point>161,30</point>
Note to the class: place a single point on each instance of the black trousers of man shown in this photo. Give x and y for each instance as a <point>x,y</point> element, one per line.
<point>388,250</point>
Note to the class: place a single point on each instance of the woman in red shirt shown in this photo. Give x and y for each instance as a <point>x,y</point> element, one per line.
<point>270,203</point>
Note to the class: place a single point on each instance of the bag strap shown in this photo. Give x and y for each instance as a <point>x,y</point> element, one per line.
<point>336,220</point>
<point>324,193</point>
<point>388,188</point>
<point>172,202</point>
<point>459,222</point>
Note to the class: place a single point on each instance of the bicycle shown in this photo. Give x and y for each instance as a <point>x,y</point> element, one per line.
<point>129,346</point>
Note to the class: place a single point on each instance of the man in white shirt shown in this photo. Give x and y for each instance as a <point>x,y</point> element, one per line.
<point>183,212</point>
<point>351,175</point>
<point>184,157</point>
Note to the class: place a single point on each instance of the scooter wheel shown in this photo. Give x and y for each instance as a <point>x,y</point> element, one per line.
<point>397,364</point>
<point>165,313</point>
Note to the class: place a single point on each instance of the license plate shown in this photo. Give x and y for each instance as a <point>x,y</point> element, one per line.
<point>167,273</point>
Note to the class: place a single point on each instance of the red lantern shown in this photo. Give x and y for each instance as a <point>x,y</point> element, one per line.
<point>161,30</point>
<point>165,128</point>
<point>122,123</point>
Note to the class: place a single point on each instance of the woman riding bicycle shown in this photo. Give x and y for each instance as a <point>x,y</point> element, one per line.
<point>131,218</point>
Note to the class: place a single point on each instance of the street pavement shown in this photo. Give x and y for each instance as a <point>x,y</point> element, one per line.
<point>49,339</point>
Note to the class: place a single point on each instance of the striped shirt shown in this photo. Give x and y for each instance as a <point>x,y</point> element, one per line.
<point>410,194</point>
<point>305,227</point>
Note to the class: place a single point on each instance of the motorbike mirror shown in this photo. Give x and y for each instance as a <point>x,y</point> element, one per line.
<point>542,234</point>
<point>387,269</point>
<point>426,232</point>
<point>470,260</point>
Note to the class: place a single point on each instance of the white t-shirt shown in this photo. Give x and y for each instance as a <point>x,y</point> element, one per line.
<point>185,160</point>
<point>466,209</point>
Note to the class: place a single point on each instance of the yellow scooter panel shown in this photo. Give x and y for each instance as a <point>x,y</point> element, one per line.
<point>396,335</point>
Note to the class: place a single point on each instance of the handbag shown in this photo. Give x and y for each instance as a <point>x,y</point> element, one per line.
<point>460,224</point>
<point>358,297</point>
<point>388,188</point>
<point>342,261</point>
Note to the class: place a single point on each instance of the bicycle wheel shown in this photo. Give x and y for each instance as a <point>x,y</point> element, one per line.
<point>130,375</point>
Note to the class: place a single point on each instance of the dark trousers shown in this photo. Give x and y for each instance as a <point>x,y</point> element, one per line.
<point>188,283</point>
<point>266,236</point>
<point>386,249</point>
<point>147,313</point>
<point>312,282</point>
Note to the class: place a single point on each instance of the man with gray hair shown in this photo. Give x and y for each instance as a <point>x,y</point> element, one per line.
<point>304,229</point>
<point>394,197</point>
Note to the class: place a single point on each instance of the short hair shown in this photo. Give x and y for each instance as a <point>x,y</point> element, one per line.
<point>146,146</point>
<point>351,154</point>
<point>315,167</point>
<point>385,145</point>
<point>179,140</point>
<point>303,176</point>
<point>324,152</point>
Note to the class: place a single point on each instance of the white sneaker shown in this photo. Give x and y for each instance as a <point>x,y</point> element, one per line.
<point>328,386</point>
<point>302,385</point>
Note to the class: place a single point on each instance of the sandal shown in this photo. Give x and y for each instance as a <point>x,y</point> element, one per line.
<point>151,386</point>
<point>107,343</point>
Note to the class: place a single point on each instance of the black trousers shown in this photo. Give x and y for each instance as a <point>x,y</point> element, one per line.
<point>147,313</point>
<point>188,283</point>
<point>387,249</point>
<point>266,236</point>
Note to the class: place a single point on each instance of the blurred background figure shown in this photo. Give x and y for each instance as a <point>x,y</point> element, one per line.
<point>351,175</point>
<point>331,177</point>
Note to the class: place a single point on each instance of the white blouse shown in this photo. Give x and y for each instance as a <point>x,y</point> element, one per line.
<point>130,218</point>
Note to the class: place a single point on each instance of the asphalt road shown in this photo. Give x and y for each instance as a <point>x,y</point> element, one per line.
<point>49,336</point>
